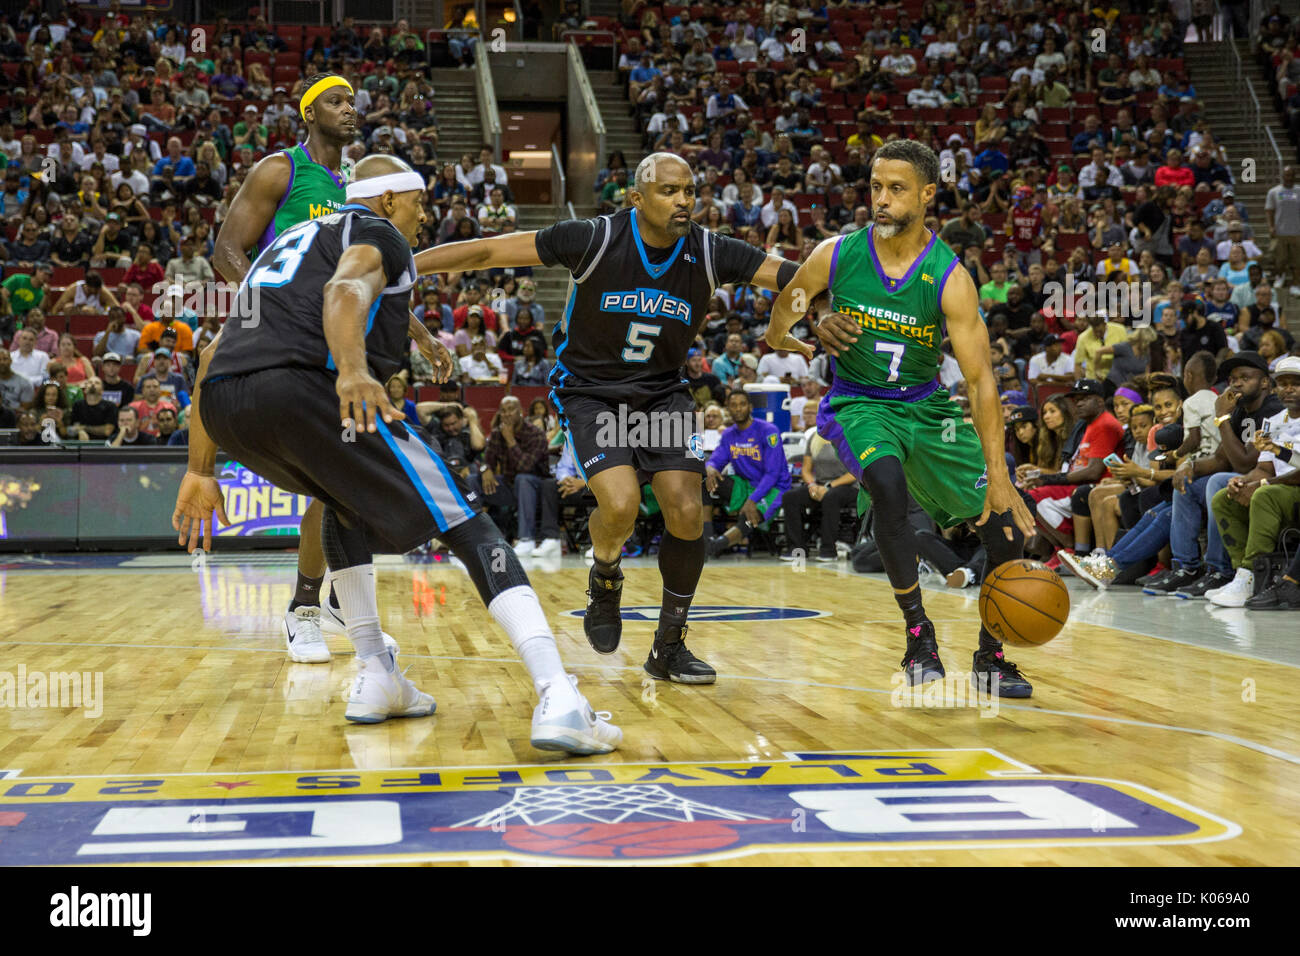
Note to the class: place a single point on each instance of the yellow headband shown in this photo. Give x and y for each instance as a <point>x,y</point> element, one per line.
<point>319,87</point>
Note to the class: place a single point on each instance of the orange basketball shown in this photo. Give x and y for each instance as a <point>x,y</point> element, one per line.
<point>1024,603</point>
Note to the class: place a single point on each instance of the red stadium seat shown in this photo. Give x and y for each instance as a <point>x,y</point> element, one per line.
<point>86,324</point>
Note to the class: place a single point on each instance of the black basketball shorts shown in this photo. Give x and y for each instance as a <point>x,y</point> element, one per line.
<point>284,425</point>
<point>651,433</point>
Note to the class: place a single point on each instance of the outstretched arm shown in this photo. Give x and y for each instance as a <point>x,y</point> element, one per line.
<point>499,252</point>
<point>970,346</point>
<point>200,493</point>
<point>795,300</point>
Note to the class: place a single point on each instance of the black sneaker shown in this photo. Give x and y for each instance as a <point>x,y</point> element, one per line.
<point>603,621</point>
<point>718,544</point>
<point>1010,682</point>
<point>1283,596</point>
<point>1206,582</point>
<point>921,662</point>
<point>1171,581</point>
<point>670,660</point>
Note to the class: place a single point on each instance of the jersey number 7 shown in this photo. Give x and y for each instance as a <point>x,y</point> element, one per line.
<point>895,349</point>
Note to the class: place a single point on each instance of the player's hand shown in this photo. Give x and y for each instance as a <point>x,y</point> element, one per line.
<point>363,400</point>
<point>836,332</point>
<point>439,358</point>
<point>749,511</point>
<point>199,496</point>
<point>1001,497</point>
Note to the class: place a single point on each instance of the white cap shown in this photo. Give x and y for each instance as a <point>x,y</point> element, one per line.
<point>1290,365</point>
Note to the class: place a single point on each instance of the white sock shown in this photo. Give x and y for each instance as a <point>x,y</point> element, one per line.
<point>520,613</point>
<point>355,587</point>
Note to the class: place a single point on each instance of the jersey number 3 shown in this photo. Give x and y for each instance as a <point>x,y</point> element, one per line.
<point>896,350</point>
<point>292,247</point>
<point>640,341</point>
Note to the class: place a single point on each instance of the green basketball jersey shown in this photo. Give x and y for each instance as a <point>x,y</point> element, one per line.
<point>313,192</point>
<point>899,320</point>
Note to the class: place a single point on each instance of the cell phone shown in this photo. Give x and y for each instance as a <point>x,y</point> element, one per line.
<point>1112,460</point>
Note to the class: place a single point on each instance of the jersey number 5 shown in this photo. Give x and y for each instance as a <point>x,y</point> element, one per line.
<point>638,348</point>
<point>896,350</point>
<point>292,247</point>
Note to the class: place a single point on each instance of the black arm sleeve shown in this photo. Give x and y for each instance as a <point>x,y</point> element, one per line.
<point>392,245</point>
<point>567,243</point>
<point>735,261</point>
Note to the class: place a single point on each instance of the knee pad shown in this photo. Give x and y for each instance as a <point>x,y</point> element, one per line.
<point>345,546</point>
<point>490,561</point>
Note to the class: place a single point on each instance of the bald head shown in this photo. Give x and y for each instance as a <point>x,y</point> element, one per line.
<point>658,167</point>
<point>400,200</point>
<point>380,164</point>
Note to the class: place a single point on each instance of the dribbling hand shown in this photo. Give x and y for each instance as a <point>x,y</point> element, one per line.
<point>363,400</point>
<point>1001,497</point>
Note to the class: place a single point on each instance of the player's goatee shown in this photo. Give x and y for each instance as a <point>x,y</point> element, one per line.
<point>888,230</point>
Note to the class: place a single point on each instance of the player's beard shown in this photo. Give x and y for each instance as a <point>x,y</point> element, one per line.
<point>896,225</point>
<point>679,227</point>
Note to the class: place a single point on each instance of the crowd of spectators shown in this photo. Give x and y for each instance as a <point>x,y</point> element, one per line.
<point>125,134</point>
<point>1068,164</point>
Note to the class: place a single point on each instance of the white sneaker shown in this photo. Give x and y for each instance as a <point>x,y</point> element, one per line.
<point>842,550</point>
<point>1236,592</point>
<point>547,548</point>
<point>525,548</point>
<point>332,620</point>
<point>382,691</point>
<point>590,553</point>
<point>563,720</point>
<point>302,636</point>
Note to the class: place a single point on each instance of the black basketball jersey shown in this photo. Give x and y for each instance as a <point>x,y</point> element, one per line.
<point>634,310</point>
<point>277,318</point>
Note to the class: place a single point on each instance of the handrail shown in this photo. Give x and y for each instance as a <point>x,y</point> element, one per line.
<point>559,182</point>
<point>573,214</point>
<point>567,37</point>
<point>565,34</point>
<point>519,20</point>
<point>489,116</point>
<point>1255,113</point>
<point>579,72</point>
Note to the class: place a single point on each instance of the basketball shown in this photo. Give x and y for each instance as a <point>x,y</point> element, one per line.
<point>1024,603</point>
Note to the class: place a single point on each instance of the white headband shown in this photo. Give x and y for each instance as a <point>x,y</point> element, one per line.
<point>404,182</point>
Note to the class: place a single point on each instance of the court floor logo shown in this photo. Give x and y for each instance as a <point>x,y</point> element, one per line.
<point>922,800</point>
<point>719,613</point>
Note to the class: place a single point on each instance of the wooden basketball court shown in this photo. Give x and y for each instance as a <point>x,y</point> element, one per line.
<point>206,744</point>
